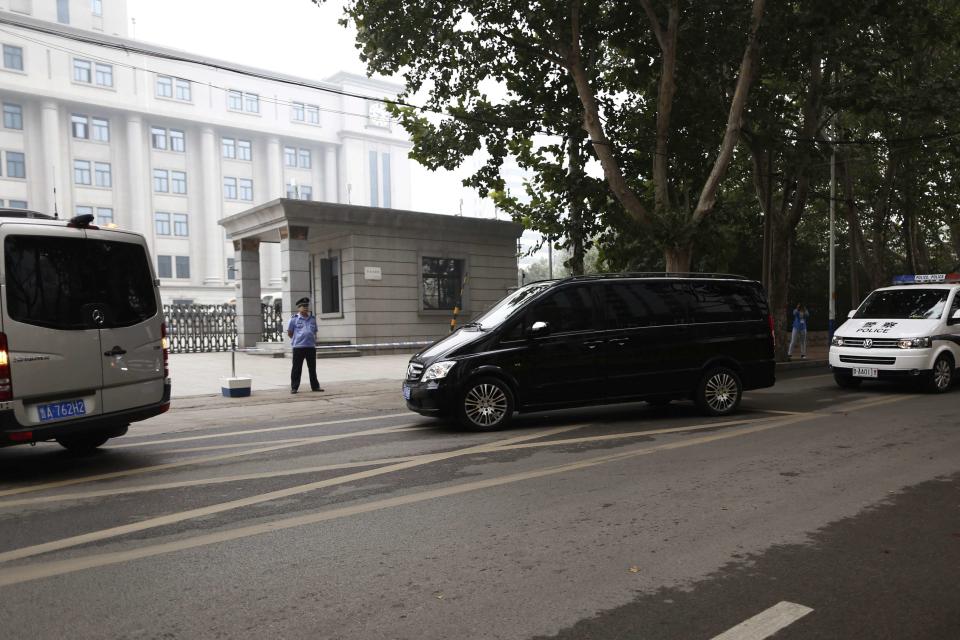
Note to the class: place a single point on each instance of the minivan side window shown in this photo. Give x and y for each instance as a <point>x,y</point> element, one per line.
<point>633,304</point>
<point>724,302</point>
<point>566,310</point>
<point>56,282</point>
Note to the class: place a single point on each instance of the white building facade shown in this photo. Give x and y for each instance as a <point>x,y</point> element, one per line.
<point>167,144</point>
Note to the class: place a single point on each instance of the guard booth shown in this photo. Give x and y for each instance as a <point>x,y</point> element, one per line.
<point>373,275</point>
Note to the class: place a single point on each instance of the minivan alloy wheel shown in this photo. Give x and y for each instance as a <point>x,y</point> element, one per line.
<point>942,374</point>
<point>719,392</point>
<point>487,403</point>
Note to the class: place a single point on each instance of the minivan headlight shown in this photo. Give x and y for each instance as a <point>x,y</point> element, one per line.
<point>837,341</point>
<point>438,370</point>
<point>914,343</point>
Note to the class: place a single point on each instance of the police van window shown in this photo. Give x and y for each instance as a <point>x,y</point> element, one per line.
<point>52,282</point>
<point>569,309</point>
<point>904,304</point>
<point>724,302</point>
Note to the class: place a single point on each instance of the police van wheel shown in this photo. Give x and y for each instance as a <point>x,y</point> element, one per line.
<point>486,404</point>
<point>941,377</point>
<point>719,392</point>
<point>83,443</point>
<point>846,381</point>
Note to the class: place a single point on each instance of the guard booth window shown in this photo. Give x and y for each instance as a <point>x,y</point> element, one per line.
<point>442,283</point>
<point>330,284</point>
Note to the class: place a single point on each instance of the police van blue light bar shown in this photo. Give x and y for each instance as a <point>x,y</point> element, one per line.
<point>927,278</point>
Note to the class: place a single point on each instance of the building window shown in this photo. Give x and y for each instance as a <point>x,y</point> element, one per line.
<point>12,57</point>
<point>161,223</point>
<point>12,116</point>
<point>79,126</point>
<point>82,71</point>
<point>442,281</point>
<point>104,75</point>
<point>297,112</point>
<point>100,129</point>
<point>290,156</point>
<point>81,210</point>
<point>303,158</point>
<point>183,266</point>
<point>164,267</point>
<point>104,216</point>
<point>183,89</point>
<point>63,11</point>
<point>231,268</point>
<point>313,114</point>
<point>16,165</point>
<point>102,175</point>
<point>330,284</point>
<point>180,227</point>
<point>96,6</point>
<point>246,189</point>
<point>177,141</point>
<point>81,172</point>
<point>306,193</point>
<point>230,188</point>
<point>235,100</point>
<point>18,204</point>
<point>160,181</point>
<point>244,150</point>
<point>178,182</point>
<point>158,138</point>
<point>164,87</point>
<point>251,102</point>
<point>293,191</point>
<point>229,148</point>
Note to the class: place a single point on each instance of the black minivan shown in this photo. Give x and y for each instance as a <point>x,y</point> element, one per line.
<point>600,339</point>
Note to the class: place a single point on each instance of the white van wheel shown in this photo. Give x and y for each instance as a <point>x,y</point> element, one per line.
<point>719,392</point>
<point>83,443</point>
<point>941,377</point>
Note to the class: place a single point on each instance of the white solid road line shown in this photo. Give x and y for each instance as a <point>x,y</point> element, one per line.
<point>766,623</point>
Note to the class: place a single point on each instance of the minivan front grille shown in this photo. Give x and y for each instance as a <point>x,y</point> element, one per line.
<point>867,360</point>
<point>414,371</point>
<point>875,343</point>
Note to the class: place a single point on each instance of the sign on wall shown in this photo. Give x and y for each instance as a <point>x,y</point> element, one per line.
<point>372,273</point>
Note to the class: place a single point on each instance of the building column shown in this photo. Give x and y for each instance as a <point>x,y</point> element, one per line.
<point>138,217</point>
<point>246,253</point>
<point>294,265</point>
<point>330,175</point>
<point>53,175</point>
<point>212,238</point>
<point>275,170</point>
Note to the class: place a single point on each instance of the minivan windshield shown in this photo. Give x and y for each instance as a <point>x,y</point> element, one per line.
<point>503,309</point>
<point>56,282</point>
<point>904,304</point>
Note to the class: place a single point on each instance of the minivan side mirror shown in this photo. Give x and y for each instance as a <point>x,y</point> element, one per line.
<point>538,329</point>
<point>851,313</point>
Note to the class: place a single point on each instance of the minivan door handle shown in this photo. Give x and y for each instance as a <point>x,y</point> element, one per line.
<point>592,344</point>
<point>116,351</point>
<point>619,341</point>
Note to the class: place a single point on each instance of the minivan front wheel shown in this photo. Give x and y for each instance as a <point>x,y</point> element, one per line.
<point>941,377</point>
<point>486,404</point>
<point>719,392</point>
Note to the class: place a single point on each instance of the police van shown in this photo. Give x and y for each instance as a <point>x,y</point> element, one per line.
<point>908,331</point>
<point>83,348</point>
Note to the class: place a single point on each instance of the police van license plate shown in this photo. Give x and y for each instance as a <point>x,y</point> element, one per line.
<point>406,392</point>
<point>865,372</point>
<point>64,409</point>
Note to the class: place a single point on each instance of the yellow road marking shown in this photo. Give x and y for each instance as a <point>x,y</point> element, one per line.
<point>18,575</point>
<point>160,521</point>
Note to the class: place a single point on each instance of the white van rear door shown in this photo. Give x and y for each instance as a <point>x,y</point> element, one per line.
<point>130,340</point>
<point>54,345</point>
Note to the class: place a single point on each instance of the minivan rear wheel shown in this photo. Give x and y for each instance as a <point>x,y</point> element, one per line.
<point>719,392</point>
<point>83,443</point>
<point>486,404</point>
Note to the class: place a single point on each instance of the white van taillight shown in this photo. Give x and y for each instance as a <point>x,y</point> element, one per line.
<point>773,331</point>
<point>165,343</point>
<point>6,383</point>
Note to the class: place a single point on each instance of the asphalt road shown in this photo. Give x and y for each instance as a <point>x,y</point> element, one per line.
<point>813,513</point>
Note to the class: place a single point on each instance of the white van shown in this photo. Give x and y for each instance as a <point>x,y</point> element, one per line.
<point>907,331</point>
<point>83,349</point>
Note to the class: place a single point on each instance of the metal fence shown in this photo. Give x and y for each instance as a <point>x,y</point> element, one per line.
<point>204,328</point>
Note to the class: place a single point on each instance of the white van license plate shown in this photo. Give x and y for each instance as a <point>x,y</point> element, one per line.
<point>865,372</point>
<point>64,409</point>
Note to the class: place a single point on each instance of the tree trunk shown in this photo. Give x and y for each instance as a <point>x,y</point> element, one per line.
<point>955,241</point>
<point>779,293</point>
<point>575,177</point>
<point>678,258</point>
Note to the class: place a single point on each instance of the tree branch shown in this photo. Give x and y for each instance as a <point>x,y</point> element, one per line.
<point>668,87</point>
<point>654,23</point>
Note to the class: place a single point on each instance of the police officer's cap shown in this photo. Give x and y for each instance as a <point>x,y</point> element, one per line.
<point>303,302</point>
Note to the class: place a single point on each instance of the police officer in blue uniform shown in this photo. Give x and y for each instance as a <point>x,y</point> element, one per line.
<point>302,331</point>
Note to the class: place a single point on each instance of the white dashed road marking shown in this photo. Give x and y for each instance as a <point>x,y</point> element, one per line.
<point>765,624</point>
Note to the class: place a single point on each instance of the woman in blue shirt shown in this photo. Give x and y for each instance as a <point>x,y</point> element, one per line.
<point>800,317</point>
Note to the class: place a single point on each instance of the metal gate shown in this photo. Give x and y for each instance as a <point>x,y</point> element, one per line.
<point>205,328</point>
